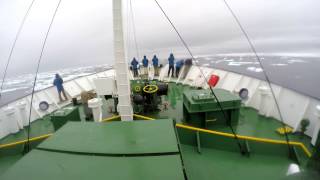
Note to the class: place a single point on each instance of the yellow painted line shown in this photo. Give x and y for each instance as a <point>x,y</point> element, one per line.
<point>110,118</point>
<point>143,117</point>
<point>24,141</point>
<point>264,140</point>
<point>305,149</point>
<point>135,115</point>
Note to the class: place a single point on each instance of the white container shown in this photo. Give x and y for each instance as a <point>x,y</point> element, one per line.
<point>95,104</point>
<point>24,120</point>
<point>317,127</point>
<point>265,93</point>
<point>11,122</point>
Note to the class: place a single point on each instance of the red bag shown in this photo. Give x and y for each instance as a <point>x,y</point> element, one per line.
<point>213,81</point>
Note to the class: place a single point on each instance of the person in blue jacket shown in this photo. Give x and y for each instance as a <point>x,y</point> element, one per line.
<point>171,64</point>
<point>58,82</point>
<point>155,62</point>
<point>145,63</point>
<point>134,65</point>
<point>179,64</point>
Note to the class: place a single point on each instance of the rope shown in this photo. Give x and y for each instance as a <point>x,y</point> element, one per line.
<point>14,45</point>
<point>261,65</point>
<point>128,29</point>
<point>189,51</point>
<point>134,31</point>
<point>37,70</point>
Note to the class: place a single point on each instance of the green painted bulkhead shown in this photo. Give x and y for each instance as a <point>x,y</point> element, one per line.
<point>200,106</point>
<point>205,155</point>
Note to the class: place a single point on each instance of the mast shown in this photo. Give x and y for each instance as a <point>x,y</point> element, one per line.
<point>121,66</point>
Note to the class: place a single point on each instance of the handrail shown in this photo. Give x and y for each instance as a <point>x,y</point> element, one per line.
<point>110,118</point>
<point>264,140</point>
<point>250,138</point>
<point>24,141</point>
<point>143,117</point>
<point>134,115</point>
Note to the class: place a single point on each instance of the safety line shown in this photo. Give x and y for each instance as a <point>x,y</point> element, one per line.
<point>14,45</point>
<point>189,51</point>
<point>261,65</point>
<point>38,66</point>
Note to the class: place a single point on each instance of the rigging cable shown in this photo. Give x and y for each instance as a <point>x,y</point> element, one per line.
<point>128,30</point>
<point>263,69</point>
<point>190,53</point>
<point>134,30</point>
<point>14,45</point>
<point>37,70</point>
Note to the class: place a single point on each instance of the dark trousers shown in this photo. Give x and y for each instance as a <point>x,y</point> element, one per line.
<point>156,70</point>
<point>177,71</point>
<point>171,67</point>
<point>64,94</point>
<point>135,72</point>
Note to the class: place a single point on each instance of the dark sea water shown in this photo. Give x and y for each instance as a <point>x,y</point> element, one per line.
<point>301,74</point>
<point>20,86</point>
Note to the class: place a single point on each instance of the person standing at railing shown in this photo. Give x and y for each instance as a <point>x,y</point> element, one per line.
<point>155,62</point>
<point>171,64</point>
<point>58,82</point>
<point>145,63</point>
<point>134,65</point>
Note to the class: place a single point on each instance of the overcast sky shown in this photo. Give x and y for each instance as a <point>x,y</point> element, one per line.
<point>82,31</point>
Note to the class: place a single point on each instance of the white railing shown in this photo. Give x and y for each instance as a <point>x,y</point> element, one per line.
<point>294,106</point>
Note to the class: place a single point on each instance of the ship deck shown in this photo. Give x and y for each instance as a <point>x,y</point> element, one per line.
<point>221,160</point>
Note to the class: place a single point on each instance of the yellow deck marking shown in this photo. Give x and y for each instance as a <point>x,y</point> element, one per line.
<point>110,118</point>
<point>24,141</point>
<point>264,140</point>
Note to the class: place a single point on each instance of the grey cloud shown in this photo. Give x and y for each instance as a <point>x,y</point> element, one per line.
<point>82,31</point>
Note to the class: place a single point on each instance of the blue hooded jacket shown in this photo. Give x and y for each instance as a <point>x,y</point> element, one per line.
<point>134,63</point>
<point>145,61</point>
<point>179,63</point>
<point>58,81</point>
<point>171,60</point>
<point>155,61</point>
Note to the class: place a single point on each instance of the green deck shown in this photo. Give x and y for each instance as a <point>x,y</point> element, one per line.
<point>136,137</point>
<point>219,158</point>
<point>40,165</point>
<point>117,150</point>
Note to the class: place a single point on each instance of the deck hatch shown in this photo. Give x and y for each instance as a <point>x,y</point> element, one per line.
<point>115,150</point>
<point>138,137</point>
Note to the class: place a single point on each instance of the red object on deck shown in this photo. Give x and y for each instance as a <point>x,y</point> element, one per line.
<point>213,81</point>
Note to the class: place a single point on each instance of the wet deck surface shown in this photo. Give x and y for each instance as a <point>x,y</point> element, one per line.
<point>211,163</point>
